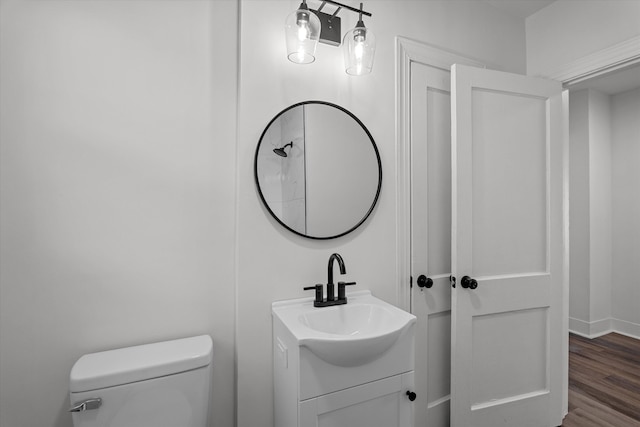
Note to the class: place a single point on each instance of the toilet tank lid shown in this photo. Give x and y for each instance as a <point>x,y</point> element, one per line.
<point>143,362</point>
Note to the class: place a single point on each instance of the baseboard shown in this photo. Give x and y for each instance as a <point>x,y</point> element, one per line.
<point>602,327</point>
<point>578,327</point>
<point>589,329</point>
<point>626,328</point>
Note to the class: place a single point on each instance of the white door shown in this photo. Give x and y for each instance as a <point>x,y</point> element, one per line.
<point>507,256</point>
<point>430,193</point>
<point>431,240</point>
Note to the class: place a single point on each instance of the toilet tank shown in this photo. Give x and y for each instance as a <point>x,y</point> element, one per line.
<point>165,384</point>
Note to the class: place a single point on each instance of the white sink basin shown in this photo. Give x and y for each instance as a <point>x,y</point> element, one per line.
<point>345,335</point>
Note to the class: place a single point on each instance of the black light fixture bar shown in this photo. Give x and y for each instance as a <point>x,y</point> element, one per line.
<point>330,24</point>
<point>335,3</point>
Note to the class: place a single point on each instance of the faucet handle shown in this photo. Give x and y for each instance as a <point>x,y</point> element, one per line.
<point>342,292</point>
<point>319,293</point>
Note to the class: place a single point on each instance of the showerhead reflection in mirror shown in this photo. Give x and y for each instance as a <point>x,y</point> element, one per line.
<point>280,151</point>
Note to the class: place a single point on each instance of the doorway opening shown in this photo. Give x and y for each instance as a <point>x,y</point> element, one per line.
<point>605,204</point>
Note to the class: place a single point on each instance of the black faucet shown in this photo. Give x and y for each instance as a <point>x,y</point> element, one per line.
<point>331,296</point>
<point>331,299</point>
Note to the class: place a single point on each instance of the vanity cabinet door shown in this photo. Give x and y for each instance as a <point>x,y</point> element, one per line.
<point>382,403</point>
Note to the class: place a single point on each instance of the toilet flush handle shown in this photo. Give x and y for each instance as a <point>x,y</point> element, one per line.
<point>86,405</point>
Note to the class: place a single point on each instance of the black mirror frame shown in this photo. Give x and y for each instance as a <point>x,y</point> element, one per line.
<point>375,149</point>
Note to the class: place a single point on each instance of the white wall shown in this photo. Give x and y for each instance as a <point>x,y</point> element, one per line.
<point>604,212</point>
<point>590,212</point>
<point>579,214</point>
<point>557,36</point>
<point>625,112</point>
<point>118,180</point>
<point>600,205</point>
<point>274,264</point>
<point>117,190</point>
<point>568,30</point>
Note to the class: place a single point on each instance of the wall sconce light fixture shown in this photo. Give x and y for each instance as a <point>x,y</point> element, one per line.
<point>305,27</point>
<point>302,29</point>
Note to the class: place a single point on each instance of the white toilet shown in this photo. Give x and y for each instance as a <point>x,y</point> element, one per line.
<point>165,384</point>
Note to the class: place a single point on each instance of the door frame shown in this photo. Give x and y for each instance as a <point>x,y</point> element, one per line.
<point>612,58</point>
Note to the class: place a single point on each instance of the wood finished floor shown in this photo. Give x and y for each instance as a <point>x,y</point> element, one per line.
<point>604,382</point>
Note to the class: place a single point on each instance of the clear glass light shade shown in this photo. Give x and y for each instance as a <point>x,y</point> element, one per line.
<point>302,30</point>
<point>359,47</point>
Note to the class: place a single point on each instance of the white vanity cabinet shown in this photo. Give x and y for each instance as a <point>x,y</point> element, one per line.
<point>315,389</point>
<point>381,403</point>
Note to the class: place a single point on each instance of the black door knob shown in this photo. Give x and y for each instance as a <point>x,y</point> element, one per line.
<point>424,281</point>
<point>468,283</point>
<point>411,395</point>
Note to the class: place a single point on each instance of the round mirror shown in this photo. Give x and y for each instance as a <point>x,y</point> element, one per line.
<point>318,170</point>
